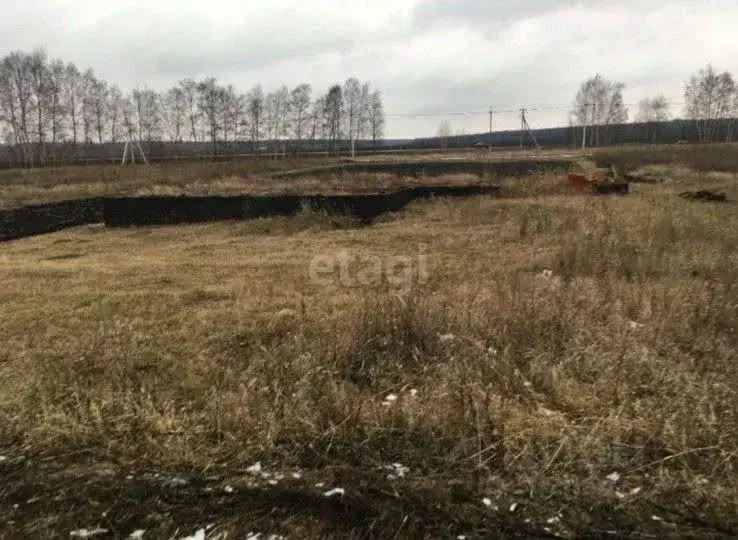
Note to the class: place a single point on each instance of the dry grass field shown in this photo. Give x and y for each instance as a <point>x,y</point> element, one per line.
<point>538,365</point>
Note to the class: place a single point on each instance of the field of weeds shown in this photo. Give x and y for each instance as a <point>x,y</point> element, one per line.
<point>542,365</point>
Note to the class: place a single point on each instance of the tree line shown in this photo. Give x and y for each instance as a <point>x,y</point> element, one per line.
<point>45,100</point>
<point>710,100</point>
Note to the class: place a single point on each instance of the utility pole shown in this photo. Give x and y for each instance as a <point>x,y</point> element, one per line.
<point>490,132</point>
<point>522,126</point>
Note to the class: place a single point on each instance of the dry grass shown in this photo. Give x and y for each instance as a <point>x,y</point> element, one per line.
<point>556,340</point>
<point>20,187</point>
<point>697,157</point>
<point>30,186</point>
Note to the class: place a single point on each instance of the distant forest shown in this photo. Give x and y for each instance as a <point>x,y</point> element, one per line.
<point>53,113</point>
<point>50,111</point>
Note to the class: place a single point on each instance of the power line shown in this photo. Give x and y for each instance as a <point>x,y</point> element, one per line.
<point>515,110</point>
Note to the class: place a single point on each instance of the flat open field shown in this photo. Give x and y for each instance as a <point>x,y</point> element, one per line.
<point>540,365</point>
<point>20,187</point>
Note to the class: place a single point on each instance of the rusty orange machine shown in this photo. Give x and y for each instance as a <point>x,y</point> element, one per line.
<point>598,182</point>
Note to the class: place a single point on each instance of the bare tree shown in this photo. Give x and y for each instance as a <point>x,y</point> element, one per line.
<point>362,123</point>
<point>17,100</point>
<point>73,96</point>
<point>100,107</point>
<point>444,133</point>
<point>270,118</point>
<point>653,112</point>
<point>352,108</point>
<point>57,106</point>
<point>300,98</point>
<point>376,118</point>
<point>231,112</point>
<point>174,113</point>
<point>38,72</point>
<point>255,105</point>
<point>210,103</point>
<point>710,98</point>
<point>128,117</point>
<point>599,103</point>
<point>87,114</point>
<point>334,115</point>
<point>190,95</point>
<point>148,113</point>
<point>114,112</point>
<point>317,121</point>
<point>281,114</point>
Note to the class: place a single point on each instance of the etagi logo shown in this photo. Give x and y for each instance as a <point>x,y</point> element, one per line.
<point>399,272</point>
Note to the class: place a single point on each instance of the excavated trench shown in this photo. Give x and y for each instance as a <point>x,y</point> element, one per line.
<point>166,210</point>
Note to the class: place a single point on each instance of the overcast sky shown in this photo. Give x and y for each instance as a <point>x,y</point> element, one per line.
<point>425,55</point>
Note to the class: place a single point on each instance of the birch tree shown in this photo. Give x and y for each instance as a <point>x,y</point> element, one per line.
<point>653,112</point>
<point>710,98</point>
<point>334,115</point>
<point>174,109</point>
<point>189,91</point>
<point>73,96</point>
<point>210,102</point>
<point>376,117</point>
<point>56,106</point>
<point>114,112</point>
<point>300,99</point>
<point>255,110</point>
<point>351,108</point>
<point>99,107</point>
<point>599,103</point>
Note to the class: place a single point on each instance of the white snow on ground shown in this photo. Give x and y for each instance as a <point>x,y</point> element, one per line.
<point>255,468</point>
<point>199,535</point>
<point>137,534</point>
<point>397,470</point>
<point>613,477</point>
<point>334,491</point>
<point>85,533</point>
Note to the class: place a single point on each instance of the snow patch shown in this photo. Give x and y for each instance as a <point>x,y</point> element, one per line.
<point>255,468</point>
<point>137,534</point>
<point>334,491</point>
<point>85,533</point>
<point>398,470</point>
<point>199,535</point>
